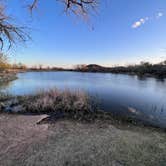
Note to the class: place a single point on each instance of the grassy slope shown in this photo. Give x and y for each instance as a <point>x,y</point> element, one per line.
<point>73,143</point>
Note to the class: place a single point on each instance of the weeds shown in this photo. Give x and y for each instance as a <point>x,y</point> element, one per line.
<point>76,105</point>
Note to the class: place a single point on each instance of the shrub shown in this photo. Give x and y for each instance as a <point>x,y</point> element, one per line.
<point>77,104</point>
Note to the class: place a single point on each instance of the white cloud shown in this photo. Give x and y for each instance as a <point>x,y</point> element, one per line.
<point>142,21</point>
<point>159,14</point>
<point>136,24</point>
<point>139,23</point>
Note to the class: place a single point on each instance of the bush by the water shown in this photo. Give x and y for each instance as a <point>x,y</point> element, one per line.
<point>76,105</point>
<point>55,100</point>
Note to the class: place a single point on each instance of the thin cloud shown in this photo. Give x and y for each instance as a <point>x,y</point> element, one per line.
<point>159,14</point>
<point>142,21</point>
<point>139,23</point>
<point>136,24</point>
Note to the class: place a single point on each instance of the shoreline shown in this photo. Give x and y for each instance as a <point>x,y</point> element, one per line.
<point>11,74</point>
<point>16,106</point>
<point>8,76</point>
<point>145,75</point>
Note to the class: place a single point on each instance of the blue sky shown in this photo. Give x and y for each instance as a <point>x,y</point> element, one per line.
<point>124,32</point>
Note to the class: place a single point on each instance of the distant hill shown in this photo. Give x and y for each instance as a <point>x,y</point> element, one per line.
<point>90,68</point>
<point>95,68</point>
<point>143,69</point>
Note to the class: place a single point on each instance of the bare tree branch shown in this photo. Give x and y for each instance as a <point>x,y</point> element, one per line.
<point>81,6</point>
<point>10,34</point>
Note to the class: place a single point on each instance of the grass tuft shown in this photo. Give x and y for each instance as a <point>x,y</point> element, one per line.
<point>75,105</point>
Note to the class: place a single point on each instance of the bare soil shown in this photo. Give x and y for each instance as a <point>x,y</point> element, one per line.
<point>71,143</point>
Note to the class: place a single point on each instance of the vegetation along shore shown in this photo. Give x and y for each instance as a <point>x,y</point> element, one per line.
<point>65,104</point>
<point>143,69</point>
<point>7,76</point>
<point>7,70</point>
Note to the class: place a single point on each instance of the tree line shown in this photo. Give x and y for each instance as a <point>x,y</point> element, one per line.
<point>144,68</point>
<point>5,65</point>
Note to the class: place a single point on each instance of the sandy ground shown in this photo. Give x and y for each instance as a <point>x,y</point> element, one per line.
<point>68,143</point>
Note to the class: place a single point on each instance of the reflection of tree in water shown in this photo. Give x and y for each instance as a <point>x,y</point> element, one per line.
<point>142,77</point>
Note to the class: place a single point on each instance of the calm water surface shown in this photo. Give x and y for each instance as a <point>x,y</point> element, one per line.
<point>141,98</point>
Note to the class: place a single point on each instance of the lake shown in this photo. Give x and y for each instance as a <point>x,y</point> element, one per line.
<point>126,95</point>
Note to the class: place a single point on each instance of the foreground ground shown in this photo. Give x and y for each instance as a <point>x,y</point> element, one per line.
<point>68,143</point>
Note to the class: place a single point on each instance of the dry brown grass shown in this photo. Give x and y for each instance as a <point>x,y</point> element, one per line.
<point>76,105</point>
<point>72,143</point>
<point>54,100</point>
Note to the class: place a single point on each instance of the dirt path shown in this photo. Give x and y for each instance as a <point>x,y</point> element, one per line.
<point>67,143</point>
<point>17,133</point>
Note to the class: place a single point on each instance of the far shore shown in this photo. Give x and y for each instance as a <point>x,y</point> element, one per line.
<point>73,70</point>
<point>142,70</point>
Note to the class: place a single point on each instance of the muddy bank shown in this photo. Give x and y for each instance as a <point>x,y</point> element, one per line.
<point>71,143</point>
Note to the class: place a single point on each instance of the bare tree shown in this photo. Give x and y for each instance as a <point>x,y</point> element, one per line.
<point>80,67</point>
<point>10,33</point>
<point>40,67</point>
<point>76,6</point>
<point>3,62</point>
